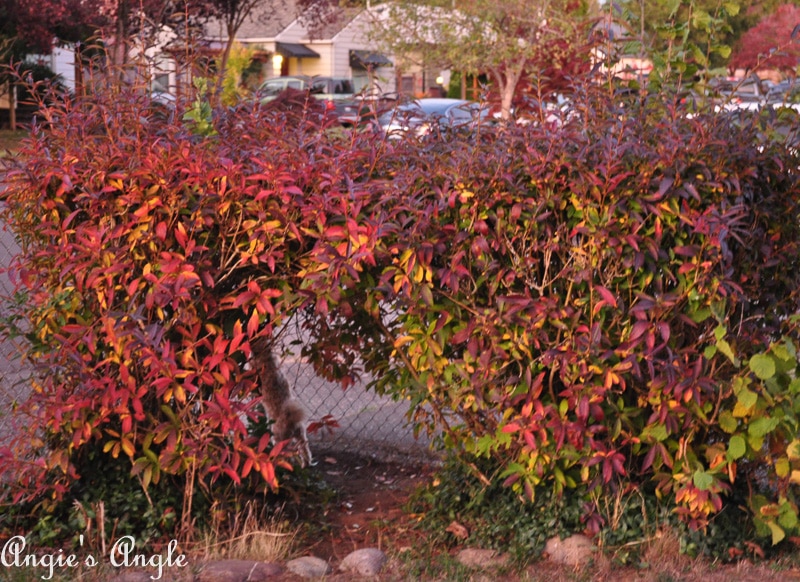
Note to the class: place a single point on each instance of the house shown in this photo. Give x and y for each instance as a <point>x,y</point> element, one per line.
<point>285,45</point>
<point>612,43</point>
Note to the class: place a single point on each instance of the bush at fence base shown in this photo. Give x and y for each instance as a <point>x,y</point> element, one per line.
<point>574,302</point>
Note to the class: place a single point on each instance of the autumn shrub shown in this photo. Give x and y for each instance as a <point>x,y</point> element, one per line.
<point>582,301</point>
<point>151,256</point>
<point>585,302</point>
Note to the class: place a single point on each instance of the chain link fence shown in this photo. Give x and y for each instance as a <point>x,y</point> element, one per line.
<point>369,424</point>
<point>14,374</point>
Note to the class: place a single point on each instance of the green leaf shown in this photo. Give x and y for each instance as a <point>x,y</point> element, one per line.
<point>724,347</point>
<point>656,432</point>
<point>763,366</point>
<point>777,532</point>
<point>756,442</point>
<point>737,447</point>
<point>782,467</point>
<point>747,398</point>
<point>672,7</point>
<point>732,8</point>
<point>728,422</point>
<point>762,426</point>
<point>701,20</point>
<point>702,480</point>
<point>788,517</point>
<point>723,50</point>
<point>699,55</point>
<point>700,315</point>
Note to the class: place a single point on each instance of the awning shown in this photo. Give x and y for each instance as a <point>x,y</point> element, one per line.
<point>360,59</point>
<point>300,51</point>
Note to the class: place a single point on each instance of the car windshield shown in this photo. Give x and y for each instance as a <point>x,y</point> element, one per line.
<point>278,85</point>
<point>416,109</point>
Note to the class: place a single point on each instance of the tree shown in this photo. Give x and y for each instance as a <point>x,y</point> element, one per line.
<point>504,40</point>
<point>771,42</point>
<point>35,24</point>
<point>706,24</point>
<point>30,27</point>
<point>232,14</point>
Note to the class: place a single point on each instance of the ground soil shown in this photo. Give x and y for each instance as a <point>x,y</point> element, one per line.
<point>368,508</point>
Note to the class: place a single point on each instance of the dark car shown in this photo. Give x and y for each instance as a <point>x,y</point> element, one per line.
<point>323,88</point>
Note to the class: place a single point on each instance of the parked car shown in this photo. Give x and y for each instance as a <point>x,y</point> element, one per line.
<point>738,94</point>
<point>324,88</point>
<point>362,111</point>
<point>422,116</point>
<point>785,93</point>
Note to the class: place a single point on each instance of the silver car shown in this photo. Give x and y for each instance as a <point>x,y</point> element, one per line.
<point>422,116</point>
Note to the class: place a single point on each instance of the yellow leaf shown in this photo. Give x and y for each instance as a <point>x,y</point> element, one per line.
<point>402,340</point>
<point>127,447</point>
<point>180,394</point>
<point>782,467</point>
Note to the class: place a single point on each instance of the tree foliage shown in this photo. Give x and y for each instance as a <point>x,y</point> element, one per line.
<point>35,24</point>
<point>507,41</point>
<point>770,43</point>
<point>658,24</point>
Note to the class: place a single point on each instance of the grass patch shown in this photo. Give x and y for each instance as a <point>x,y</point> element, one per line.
<point>10,141</point>
<point>250,536</point>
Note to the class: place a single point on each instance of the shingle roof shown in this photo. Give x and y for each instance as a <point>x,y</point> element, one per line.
<point>330,29</point>
<point>268,19</point>
<point>271,17</point>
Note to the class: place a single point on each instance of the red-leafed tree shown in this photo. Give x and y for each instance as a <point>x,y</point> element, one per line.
<point>770,42</point>
<point>36,24</point>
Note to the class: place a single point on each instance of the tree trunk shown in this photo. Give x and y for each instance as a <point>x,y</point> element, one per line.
<point>507,81</point>
<point>12,106</point>
<point>78,70</point>
<point>223,63</point>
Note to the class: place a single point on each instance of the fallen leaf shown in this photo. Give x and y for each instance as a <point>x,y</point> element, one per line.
<point>458,530</point>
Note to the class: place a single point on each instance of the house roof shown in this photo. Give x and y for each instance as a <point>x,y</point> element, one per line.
<point>267,20</point>
<point>271,17</point>
<point>336,24</point>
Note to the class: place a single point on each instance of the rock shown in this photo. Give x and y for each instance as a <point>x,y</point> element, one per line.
<point>576,550</point>
<point>308,567</point>
<point>477,558</point>
<point>238,571</point>
<point>167,575</point>
<point>366,562</point>
<point>133,577</point>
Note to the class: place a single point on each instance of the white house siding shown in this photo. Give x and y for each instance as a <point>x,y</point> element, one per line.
<point>61,62</point>
<point>334,54</point>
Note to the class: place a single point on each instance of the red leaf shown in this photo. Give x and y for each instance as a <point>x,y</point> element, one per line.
<point>607,296</point>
